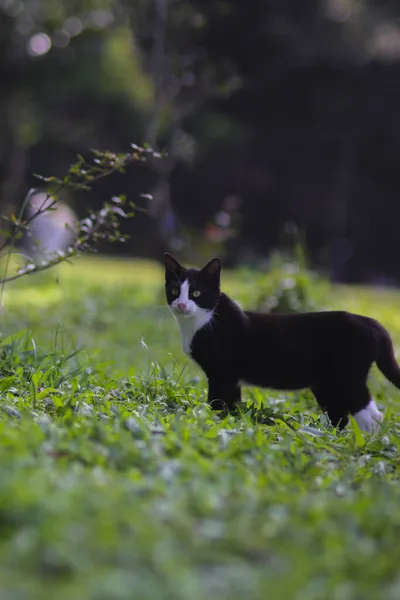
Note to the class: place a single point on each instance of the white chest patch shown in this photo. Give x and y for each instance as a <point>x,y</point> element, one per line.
<point>190,319</point>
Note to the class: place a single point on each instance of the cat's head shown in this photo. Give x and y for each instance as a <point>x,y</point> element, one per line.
<point>189,291</point>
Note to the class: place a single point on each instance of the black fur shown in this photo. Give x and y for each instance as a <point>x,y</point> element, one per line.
<point>329,352</point>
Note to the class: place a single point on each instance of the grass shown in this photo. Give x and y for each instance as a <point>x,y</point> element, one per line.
<point>117,481</point>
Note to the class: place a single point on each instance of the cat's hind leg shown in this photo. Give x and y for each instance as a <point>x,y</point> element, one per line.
<point>369,418</point>
<point>362,407</point>
<point>355,400</point>
<point>329,400</point>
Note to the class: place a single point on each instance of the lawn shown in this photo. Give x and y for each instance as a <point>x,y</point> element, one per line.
<point>118,482</point>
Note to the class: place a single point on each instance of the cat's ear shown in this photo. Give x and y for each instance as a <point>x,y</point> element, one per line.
<point>171,265</point>
<point>212,270</point>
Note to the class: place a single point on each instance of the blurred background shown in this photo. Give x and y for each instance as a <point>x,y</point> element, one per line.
<point>280,118</point>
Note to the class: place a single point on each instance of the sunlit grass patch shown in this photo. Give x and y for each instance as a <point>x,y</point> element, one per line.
<point>117,479</point>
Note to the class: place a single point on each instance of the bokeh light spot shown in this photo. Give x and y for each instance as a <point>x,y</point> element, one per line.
<point>39,44</point>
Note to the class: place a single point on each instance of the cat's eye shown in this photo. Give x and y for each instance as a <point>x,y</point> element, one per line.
<point>175,292</point>
<point>196,294</point>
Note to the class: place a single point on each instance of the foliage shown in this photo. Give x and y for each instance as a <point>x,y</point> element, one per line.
<point>99,227</point>
<point>290,286</point>
<point>118,479</point>
<point>285,283</point>
<point>280,119</point>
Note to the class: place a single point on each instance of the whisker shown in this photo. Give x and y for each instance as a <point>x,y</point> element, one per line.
<point>211,322</point>
<point>157,308</point>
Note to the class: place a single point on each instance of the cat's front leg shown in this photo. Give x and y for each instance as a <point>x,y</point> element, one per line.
<point>223,394</point>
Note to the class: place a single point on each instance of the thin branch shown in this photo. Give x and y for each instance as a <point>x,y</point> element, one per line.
<point>101,225</point>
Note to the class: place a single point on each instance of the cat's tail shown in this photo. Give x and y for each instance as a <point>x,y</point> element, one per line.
<point>386,360</point>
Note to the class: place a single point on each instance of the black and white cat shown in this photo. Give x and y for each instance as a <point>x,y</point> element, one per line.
<point>329,352</point>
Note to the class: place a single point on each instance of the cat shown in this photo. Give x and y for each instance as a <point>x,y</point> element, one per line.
<point>328,352</point>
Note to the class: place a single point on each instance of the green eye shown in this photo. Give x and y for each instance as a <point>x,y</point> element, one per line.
<point>196,294</point>
<point>175,292</point>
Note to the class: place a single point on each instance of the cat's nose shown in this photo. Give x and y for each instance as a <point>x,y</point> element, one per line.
<point>182,306</point>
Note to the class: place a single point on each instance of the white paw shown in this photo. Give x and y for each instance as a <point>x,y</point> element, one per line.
<point>369,418</point>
